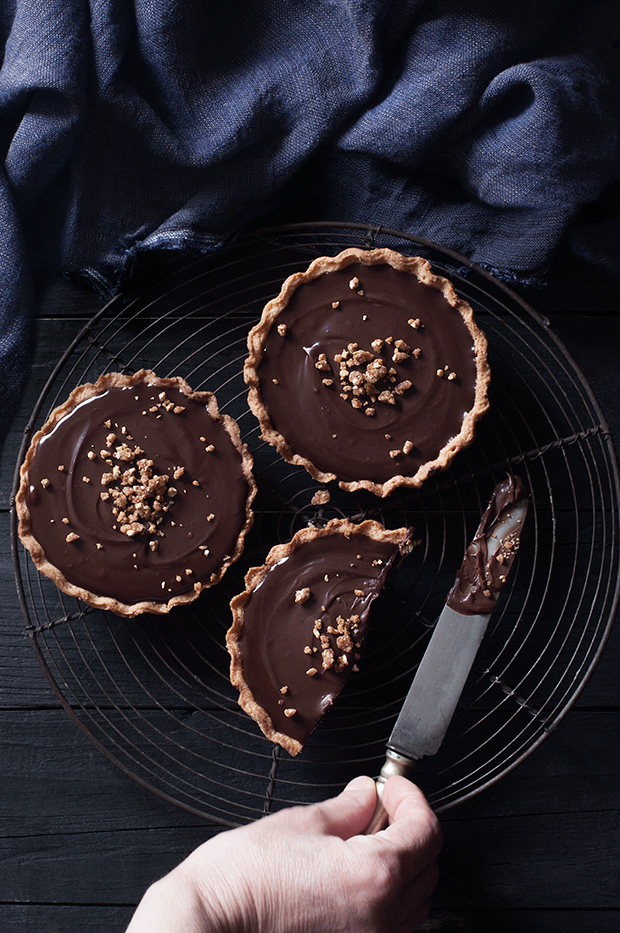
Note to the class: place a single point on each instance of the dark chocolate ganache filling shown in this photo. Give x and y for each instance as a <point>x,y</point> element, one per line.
<point>368,373</point>
<point>485,569</point>
<point>305,624</point>
<point>137,494</point>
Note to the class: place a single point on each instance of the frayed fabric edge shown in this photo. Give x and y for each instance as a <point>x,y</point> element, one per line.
<point>108,278</point>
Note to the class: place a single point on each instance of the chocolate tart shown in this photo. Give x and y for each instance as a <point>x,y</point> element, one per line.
<point>299,626</point>
<point>368,368</point>
<point>136,494</point>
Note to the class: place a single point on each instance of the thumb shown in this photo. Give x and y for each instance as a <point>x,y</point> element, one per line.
<point>346,815</point>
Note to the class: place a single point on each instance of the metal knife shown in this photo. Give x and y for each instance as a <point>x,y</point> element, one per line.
<point>432,698</point>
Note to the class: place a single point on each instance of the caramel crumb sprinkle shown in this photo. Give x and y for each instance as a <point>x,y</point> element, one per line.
<point>289,712</point>
<point>303,595</point>
<point>61,468</point>
<point>307,649</point>
<point>276,382</point>
<point>335,304</point>
<point>359,592</point>
<point>284,689</point>
<point>99,546</point>
<point>45,483</point>
<point>282,329</point>
<point>395,453</point>
<point>407,447</point>
<point>322,363</point>
<point>86,479</point>
<point>91,455</point>
<point>440,373</point>
<point>311,671</point>
<point>414,322</point>
<point>71,537</point>
<point>210,448</point>
<point>451,376</point>
<point>354,283</point>
<point>210,517</point>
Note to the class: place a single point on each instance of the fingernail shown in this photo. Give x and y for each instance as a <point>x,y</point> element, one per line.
<point>358,782</point>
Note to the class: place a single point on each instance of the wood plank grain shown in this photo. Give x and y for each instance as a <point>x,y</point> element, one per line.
<point>523,921</point>
<point>68,918</point>
<point>64,918</point>
<point>76,830</point>
<point>60,782</point>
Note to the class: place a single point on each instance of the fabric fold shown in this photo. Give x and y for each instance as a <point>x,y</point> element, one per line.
<point>126,127</point>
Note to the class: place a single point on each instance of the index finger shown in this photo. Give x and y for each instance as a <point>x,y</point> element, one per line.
<point>412,824</point>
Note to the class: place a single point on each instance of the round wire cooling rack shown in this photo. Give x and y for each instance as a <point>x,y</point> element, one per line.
<point>153,693</point>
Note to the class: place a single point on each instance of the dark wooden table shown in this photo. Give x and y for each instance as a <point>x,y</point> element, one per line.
<point>80,842</point>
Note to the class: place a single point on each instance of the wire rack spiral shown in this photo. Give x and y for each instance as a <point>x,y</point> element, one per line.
<point>153,693</point>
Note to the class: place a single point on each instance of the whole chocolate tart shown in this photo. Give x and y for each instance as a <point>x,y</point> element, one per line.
<point>136,494</point>
<point>299,626</point>
<point>368,368</point>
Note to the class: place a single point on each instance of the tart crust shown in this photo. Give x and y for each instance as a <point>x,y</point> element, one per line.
<point>421,269</point>
<point>44,563</point>
<point>400,538</point>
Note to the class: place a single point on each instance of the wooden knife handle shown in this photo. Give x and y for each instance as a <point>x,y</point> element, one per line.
<point>394,764</point>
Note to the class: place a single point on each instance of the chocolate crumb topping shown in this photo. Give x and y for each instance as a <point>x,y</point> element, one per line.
<point>273,634</point>
<point>383,384</point>
<point>136,507</point>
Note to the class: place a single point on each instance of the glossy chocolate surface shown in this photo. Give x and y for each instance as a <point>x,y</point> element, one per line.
<point>277,629</point>
<point>482,576</point>
<point>325,428</point>
<point>204,505</point>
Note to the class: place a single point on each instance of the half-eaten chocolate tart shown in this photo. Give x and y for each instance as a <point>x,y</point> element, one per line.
<point>299,626</point>
<point>368,368</point>
<point>136,494</point>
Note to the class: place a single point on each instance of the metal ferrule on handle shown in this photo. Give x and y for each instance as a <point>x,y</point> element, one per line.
<point>394,764</point>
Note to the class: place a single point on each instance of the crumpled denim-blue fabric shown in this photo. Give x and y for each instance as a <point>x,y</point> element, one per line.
<point>124,126</point>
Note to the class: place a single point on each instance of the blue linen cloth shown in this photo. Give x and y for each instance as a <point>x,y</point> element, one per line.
<point>484,125</point>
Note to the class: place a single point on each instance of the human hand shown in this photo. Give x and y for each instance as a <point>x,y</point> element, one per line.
<point>307,870</point>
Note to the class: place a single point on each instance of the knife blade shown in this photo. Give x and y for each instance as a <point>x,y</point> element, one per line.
<point>439,681</point>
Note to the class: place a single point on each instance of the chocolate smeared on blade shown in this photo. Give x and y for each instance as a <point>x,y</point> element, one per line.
<point>492,551</point>
<point>300,624</point>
